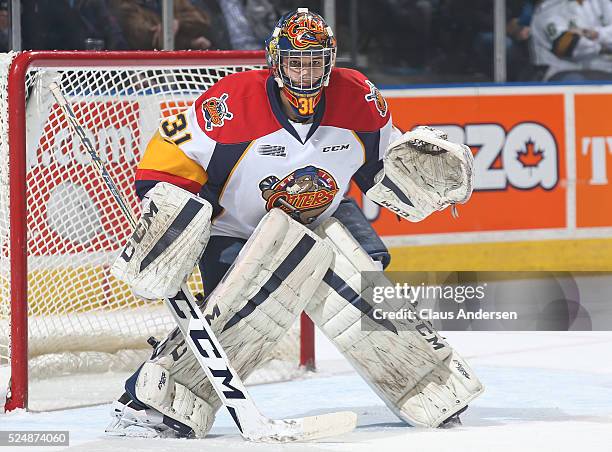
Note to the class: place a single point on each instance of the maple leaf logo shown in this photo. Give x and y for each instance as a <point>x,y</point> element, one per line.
<point>530,157</point>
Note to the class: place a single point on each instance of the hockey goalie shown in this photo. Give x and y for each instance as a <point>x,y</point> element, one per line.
<point>248,184</point>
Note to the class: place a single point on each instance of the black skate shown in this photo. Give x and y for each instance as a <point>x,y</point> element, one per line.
<point>132,418</point>
<point>454,420</point>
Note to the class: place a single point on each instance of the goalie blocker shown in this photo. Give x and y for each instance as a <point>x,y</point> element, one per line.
<point>166,244</point>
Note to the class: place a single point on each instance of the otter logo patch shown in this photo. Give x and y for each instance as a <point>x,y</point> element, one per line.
<point>375,96</point>
<point>216,112</point>
<point>304,194</point>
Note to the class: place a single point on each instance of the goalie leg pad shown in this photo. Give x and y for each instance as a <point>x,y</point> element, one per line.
<point>166,244</point>
<point>258,300</point>
<point>415,372</point>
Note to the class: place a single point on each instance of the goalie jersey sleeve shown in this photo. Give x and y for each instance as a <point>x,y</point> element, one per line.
<point>236,148</point>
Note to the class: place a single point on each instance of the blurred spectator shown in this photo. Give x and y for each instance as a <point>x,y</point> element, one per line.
<point>250,21</point>
<point>70,24</point>
<point>193,26</point>
<point>138,22</point>
<point>102,28</point>
<point>218,32</point>
<point>4,26</point>
<point>142,26</point>
<point>518,25</point>
<point>262,16</point>
<point>518,30</point>
<point>466,42</point>
<point>241,33</point>
<point>572,40</point>
<point>50,25</point>
<point>465,29</point>
<point>397,33</point>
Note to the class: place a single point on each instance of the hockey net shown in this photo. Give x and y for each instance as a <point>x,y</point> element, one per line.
<point>61,312</point>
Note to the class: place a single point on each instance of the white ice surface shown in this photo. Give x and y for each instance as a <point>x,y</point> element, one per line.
<point>544,392</point>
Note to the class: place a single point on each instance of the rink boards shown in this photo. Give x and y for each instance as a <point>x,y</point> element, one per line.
<point>542,157</point>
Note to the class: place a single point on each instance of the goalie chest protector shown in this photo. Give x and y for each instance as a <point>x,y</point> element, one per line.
<point>243,155</point>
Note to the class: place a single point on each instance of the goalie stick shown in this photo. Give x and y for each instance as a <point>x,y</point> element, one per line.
<point>205,346</point>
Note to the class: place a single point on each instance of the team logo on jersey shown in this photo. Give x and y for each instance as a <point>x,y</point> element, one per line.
<point>375,96</point>
<point>216,112</point>
<point>304,194</point>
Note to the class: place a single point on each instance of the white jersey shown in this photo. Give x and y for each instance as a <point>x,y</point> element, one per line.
<point>237,149</point>
<point>558,24</point>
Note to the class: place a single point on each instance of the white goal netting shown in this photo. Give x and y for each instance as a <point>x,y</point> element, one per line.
<point>79,318</point>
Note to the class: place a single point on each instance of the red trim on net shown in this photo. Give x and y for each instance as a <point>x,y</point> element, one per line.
<point>18,386</point>
<point>307,342</point>
<point>161,176</point>
<point>160,58</point>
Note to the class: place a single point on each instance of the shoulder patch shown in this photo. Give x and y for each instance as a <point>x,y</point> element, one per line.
<point>350,91</point>
<point>215,111</point>
<point>236,109</point>
<point>378,99</point>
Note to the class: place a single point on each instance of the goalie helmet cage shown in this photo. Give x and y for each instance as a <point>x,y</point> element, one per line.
<point>60,310</point>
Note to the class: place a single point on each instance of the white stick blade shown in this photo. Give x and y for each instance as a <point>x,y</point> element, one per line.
<point>305,429</point>
<point>330,424</point>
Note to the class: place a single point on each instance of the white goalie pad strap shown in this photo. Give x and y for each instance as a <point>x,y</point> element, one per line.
<point>406,362</point>
<point>423,172</point>
<point>166,244</point>
<point>258,300</point>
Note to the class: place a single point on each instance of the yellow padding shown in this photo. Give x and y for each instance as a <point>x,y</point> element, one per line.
<point>163,155</point>
<point>558,255</point>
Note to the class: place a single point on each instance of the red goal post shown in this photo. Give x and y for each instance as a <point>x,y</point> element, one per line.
<point>58,232</point>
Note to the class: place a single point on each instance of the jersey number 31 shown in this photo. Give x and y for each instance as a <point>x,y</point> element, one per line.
<point>172,128</point>
<point>305,106</point>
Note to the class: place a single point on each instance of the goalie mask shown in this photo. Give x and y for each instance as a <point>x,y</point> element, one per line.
<point>301,54</point>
